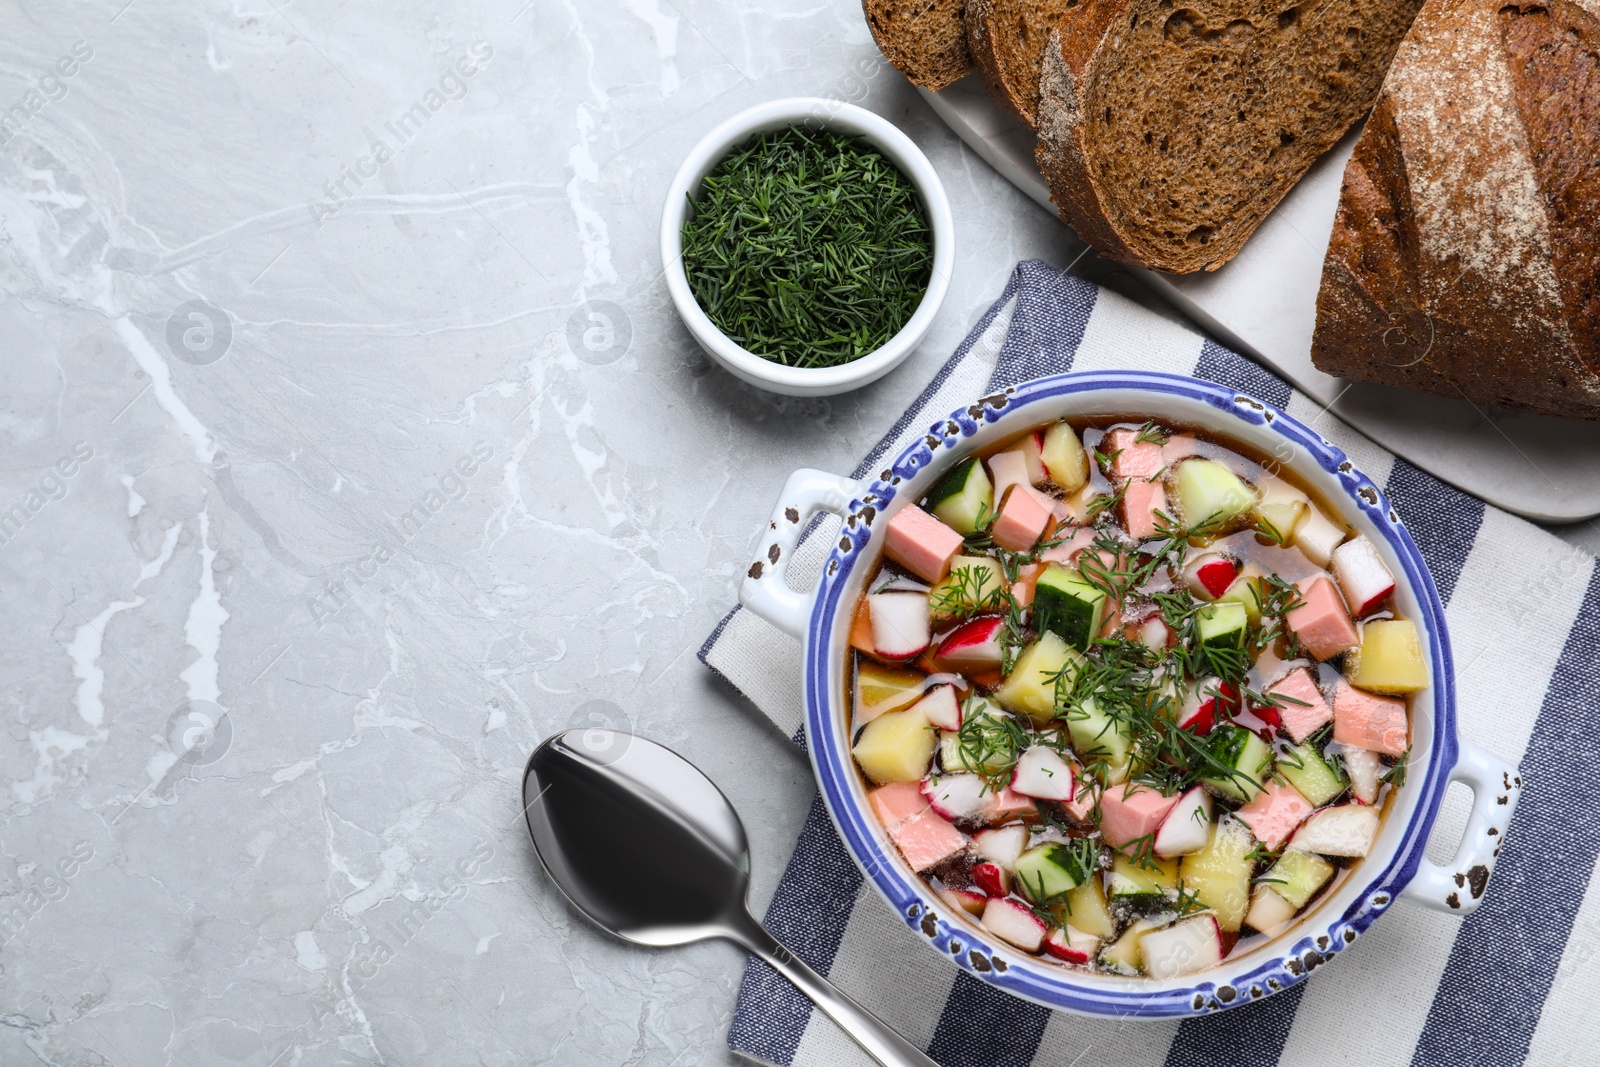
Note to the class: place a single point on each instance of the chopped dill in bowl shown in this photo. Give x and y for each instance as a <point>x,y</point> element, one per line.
<point>808,248</point>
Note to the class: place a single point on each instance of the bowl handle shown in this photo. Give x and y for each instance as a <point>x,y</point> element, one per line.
<point>766,589</point>
<point>1458,887</point>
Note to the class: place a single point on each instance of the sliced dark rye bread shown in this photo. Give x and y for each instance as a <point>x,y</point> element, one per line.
<point>925,40</point>
<point>1465,257</point>
<point>1008,39</point>
<point>1168,129</point>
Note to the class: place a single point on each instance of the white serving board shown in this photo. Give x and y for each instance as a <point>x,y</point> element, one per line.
<point>1264,302</point>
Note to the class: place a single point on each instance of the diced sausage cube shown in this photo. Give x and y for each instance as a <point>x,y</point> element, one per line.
<point>1007,469</point>
<point>1178,448</point>
<point>1369,721</point>
<point>1130,457</point>
<point>922,837</point>
<point>921,543</point>
<point>1023,518</point>
<point>1274,814</point>
<point>1312,714</point>
<point>1321,623</point>
<point>1140,502</point>
<point>1131,812</point>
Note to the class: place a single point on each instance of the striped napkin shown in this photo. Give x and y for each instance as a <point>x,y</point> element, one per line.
<point>1516,981</point>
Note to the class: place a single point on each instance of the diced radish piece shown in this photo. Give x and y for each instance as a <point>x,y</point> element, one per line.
<point>1206,704</point>
<point>1042,773</point>
<point>1317,537</point>
<point>1304,710</point>
<point>1131,457</point>
<point>973,646</point>
<point>1274,814</point>
<point>1153,633</point>
<point>1183,948</point>
<point>1024,514</point>
<point>1271,721</point>
<point>1071,944</point>
<point>1208,575</point>
<point>1342,830</point>
<point>1269,912</point>
<point>1187,827</point>
<point>1008,804</point>
<point>901,623</point>
<point>1321,621</point>
<point>1013,923</point>
<point>957,797</point>
<point>1365,720</point>
<point>1032,448</point>
<point>1130,812</point>
<point>967,900</point>
<point>942,707</point>
<point>1007,469</point>
<point>1001,846</point>
<point>1365,769</point>
<point>1363,577</point>
<point>921,543</point>
<point>991,878</point>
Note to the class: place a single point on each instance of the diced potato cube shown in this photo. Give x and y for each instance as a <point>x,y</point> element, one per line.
<point>1389,658</point>
<point>896,747</point>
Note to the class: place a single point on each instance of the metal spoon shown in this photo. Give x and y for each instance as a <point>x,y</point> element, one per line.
<point>650,850</point>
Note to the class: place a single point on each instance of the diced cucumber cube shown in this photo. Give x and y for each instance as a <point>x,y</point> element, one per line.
<point>963,497</point>
<point>1030,688</point>
<point>1223,624</point>
<point>1317,780</point>
<point>1064,603</point>
<point>978,713</point>
<point>974,584</point>
<point>1297,876</point>
<point>1209,493</point>
<point>1051,870</point>
<point>1248,589</point>
<point>1142,888</point>
<point>1097,736</point>
<point>1244,753</point>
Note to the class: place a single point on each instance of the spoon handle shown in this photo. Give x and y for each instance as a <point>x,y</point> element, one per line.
<point>871,1033</point>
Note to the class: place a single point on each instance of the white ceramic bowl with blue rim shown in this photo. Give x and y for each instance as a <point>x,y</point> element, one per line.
<point>1396,867</point>
<point>817,113</point>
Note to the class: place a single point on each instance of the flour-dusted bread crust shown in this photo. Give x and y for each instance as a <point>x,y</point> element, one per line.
<point>926,40</point>
<point>1007,39</point>
<point>1465,257</point>
<point>1168,129</point>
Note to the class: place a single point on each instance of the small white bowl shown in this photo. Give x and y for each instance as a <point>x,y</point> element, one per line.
<point>819,114</point>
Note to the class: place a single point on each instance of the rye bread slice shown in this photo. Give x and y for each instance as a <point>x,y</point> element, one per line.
<point>1168,129</point>
<point>1007,39</point>
<point>925,40</point>
<point>1465,257</point>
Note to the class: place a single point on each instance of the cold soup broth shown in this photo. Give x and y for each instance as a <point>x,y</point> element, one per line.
<point>1129,696</point>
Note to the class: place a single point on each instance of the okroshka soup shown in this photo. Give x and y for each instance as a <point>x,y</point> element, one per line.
<point>1129,696</point>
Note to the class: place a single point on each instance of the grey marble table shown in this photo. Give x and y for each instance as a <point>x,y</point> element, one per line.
<point>327,495</point>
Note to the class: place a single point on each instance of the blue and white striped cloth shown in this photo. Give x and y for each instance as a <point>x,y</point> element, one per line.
<point>1518,981</point>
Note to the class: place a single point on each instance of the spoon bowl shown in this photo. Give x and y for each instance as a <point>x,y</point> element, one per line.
<point>648,849</point>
